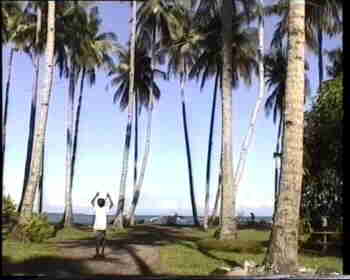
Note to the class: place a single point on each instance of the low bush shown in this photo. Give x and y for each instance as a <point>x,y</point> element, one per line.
<point>36,229</point>
<point>238,246</point>
<point>8,212</point>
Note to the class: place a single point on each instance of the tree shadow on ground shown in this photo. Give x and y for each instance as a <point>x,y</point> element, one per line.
<point>51,266</point>
<point>163,235</point>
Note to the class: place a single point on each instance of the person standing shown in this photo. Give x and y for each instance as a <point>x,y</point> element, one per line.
<point>100,224</point>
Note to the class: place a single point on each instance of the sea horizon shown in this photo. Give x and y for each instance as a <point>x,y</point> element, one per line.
<point>87,219</point>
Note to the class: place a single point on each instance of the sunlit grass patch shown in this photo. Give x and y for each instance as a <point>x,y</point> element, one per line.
<point>17,251</point>
<point>72,233</point>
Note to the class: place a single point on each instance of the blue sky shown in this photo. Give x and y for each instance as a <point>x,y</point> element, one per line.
<point>102,134</point>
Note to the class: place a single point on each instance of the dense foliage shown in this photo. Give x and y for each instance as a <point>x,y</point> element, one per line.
<point>36,229</point>
<point>323,177</point>
<point>8,211</point>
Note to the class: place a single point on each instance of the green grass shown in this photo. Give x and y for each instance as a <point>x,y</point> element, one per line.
<point>72,233</point>
<point>183,251</point>
<point>16,251</point>
<point>203,256</point>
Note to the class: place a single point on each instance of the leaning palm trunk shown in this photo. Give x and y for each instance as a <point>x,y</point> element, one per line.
<point>119,217</point>
<point>217,201</point>
<point>76,126</point>
<point>33,114</point>
<point>211,129</point>
<point>143,165</point>
<point>282,256</point>
<point>277,156</point>
<point>188,150</point>
<point>248,139</point>
<point>131,218</point>
<point>32,125</point>
<point>40,129</point>
<point>6,103</point>
<point>41,183</point>
<point>68,211</point>
<point>228,194</point>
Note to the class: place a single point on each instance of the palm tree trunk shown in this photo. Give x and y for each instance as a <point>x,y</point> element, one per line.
<point>76,126</point>
<point>215,212</point>
<point>132,217</point>
<point>68,211</point>
<point>282,255</point>
<point>33,114</point>
<point>41,183</point>
<point>188,151</point>
<point>211,130</point>
<point>320,55</point>
<point>143,165</point>
<point>217,200</point>
<point>228,194</point>
<point>32,125</point>
<point>40,129</point>
<point>277,156</point>
<point>248,139</point>
<point>6,103</point>
<point>119,217</point>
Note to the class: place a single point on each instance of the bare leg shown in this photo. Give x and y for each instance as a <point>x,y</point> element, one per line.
<point>98,238</point>
<point>103,243</point>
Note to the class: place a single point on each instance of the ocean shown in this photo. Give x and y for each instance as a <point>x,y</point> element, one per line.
<point>86,219</point>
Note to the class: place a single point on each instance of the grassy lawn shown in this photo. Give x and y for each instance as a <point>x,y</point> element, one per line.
<point>202,256</point>
<point>183,250</point>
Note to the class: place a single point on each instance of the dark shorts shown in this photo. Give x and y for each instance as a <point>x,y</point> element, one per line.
<point>100,235</point>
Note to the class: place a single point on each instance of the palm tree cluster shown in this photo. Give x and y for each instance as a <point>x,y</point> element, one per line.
<point>196,40</point>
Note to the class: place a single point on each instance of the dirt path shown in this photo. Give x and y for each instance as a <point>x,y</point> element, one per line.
<point>128,259</point>
<point>135,253</point>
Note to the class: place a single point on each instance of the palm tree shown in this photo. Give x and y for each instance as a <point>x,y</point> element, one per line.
<point>247,140</point>
<point>95,52</point>
<point>79,20</point>
<point>42,121</point>
<point>282,255</point>
<point>147,92</point>
<point>35,47</point>
<point>228,226</point>
<point>34,102</point>
<point>275,74</point>
<point>209,63</point>
<point>182,50</point>
<point>119,217</point>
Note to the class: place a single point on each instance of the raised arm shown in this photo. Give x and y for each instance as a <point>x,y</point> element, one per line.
<point>93,200</point>
<point>110,201</point>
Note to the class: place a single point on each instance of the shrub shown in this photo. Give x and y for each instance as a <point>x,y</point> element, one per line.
<point>37,229</point>
<point>8,212</point>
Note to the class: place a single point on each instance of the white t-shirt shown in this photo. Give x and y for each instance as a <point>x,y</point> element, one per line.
<point>100,217</point>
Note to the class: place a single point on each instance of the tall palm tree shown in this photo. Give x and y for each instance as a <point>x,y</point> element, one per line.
<point>94,52</point>
<point>209,63</point>
<point>35,24</point>
<point>145,89</point>
<point>228,226</point>
<point>247,140</point>
<point>182,50</point>
<point>275,74</point>
<point>119,217</point>
<point>282,255</point>
<point>42,121</point>
<point>34,102</point>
